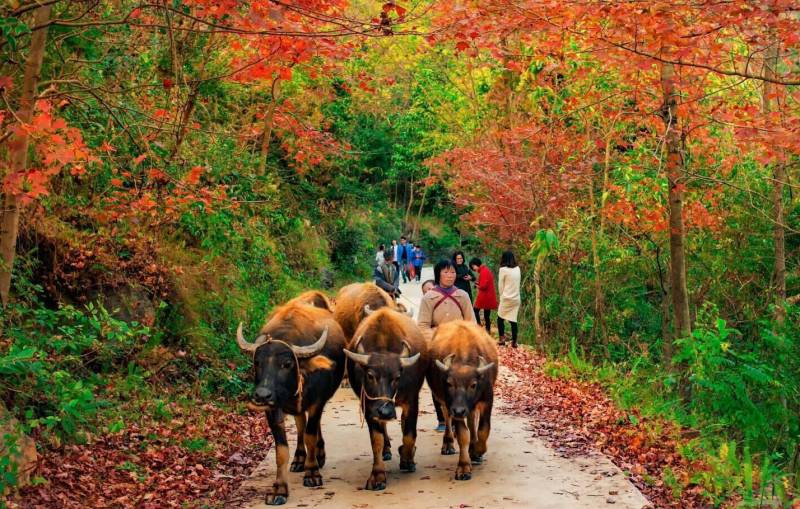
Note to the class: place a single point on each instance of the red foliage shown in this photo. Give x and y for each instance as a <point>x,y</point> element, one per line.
<point>576,418</point>
<point>151,464</point>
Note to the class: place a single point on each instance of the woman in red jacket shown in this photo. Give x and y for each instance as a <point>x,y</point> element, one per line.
<point>487,298</point>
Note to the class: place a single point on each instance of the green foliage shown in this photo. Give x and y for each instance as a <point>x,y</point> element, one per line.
<point>57,360</point>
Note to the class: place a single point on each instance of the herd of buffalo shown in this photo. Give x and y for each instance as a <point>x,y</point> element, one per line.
<point>308,344</point>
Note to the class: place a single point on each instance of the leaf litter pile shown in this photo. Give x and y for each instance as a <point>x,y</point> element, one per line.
<point>577,418</point>
<point>198,456</point>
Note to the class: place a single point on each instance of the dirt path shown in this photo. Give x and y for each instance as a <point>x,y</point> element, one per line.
<point>519,470</point>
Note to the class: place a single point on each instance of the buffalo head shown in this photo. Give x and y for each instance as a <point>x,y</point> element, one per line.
<point>276,365</point>
<point>380,376</point>
<point>462,384</point>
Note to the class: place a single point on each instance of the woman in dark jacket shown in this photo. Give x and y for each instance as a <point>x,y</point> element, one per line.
<point>464,276</point>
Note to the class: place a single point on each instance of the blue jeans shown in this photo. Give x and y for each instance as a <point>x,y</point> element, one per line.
<point>404,272</point>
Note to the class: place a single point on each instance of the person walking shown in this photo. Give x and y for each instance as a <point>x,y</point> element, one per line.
<point>386,276</point>
<point>464,276</point>
<point>395,247</point>
<point>379,255</point>
<point>405,257</point>
<point>509,278</point>
<point>486,300</point>
<point>444,303</point>
<point>419,260</point>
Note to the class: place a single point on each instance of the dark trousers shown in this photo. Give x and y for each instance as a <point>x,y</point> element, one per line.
<point>404,271</point>
<point>418,273</point>
<point>487,318</point>
<point>501,328</point>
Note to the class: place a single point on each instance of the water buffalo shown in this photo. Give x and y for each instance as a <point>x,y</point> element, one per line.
<point>355,301</point>
<point>386,363</point>
<point>461,376</point>
<point>298,360</point>
<point>315,298</point>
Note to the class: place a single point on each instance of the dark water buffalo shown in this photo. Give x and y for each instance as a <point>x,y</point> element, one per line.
<point>386,363</point>
<point>298,359</point>
<point>461,375</point>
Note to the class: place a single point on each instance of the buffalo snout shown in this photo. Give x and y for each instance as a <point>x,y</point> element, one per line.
<point>264,396</point>
<point>386,411</point>
<point>459,412</point>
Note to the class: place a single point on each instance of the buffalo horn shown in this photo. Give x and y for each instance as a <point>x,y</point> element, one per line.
<point>244,345</point>
<point>405,360</point>
<point>368,310</point>
<point>445,364</point>
<point>358,358</point>
<point>483,366</point>
<point>311,350</point>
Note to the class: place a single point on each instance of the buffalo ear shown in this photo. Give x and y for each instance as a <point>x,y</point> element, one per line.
<point>318,362</point>
<point>358,358</point>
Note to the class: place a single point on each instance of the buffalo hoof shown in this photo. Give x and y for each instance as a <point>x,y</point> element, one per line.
<point>448,450</point>
<point>463,473</point>
<point>387,455</point>
<point>408,466</point>
<point>376,481</point>
<point>277,495</point>
<point>476,459</point>
<point>312,479</point>
<point>298,463</point>
<point>275,500</point>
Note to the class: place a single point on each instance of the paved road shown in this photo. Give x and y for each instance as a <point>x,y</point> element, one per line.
<point>518,471</point>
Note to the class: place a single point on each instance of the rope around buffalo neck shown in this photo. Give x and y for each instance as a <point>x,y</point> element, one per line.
<point>365,396</point>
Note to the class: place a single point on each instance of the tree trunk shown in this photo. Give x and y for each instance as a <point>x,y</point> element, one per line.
<point>191,101</point>
<point>421,206</point>
<point>778,179</point>
<point>537,303</point>
<point>410,202</point>
<point>268,123</point>
<point>677,235</point>
<point>9,228</point>
<point>599,327</point>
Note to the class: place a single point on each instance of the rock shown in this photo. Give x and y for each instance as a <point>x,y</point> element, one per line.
<point>25,457</point>
<point>129,303</point>
<point>326,278</point>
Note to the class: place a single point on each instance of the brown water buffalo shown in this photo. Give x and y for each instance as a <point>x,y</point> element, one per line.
<point>386,362</point>
<point>298,360</point>
<point>355,301</point>
<point>314,297</point>
<point>461,375</point>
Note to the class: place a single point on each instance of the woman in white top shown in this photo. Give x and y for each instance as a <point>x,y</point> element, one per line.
<point>379,255</point>
<point>509,278</point>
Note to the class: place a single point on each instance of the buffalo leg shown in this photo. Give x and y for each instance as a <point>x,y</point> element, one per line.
<point>409,424</point>
<point>320,448</point>
<point>279,492</point>
<point>472,424</point>
<point>312,477</point>
<point>447,441</point>
<point>464,470</point>
<point>387,444</point>
<point>377,479</point>
<point>477,451</point>
<point>300,453</point>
